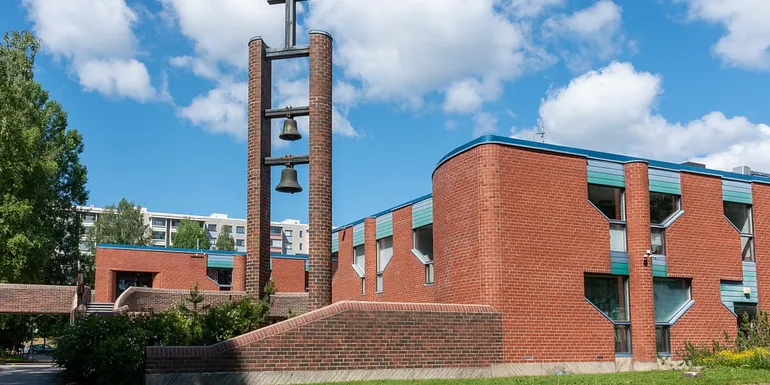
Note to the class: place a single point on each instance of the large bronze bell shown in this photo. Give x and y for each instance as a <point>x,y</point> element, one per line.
<point>288,182</point>
<point>290,131</point>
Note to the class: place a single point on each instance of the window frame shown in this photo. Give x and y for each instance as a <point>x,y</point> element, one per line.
<point>619,224</point>
<point>662,231</point>
<point>619,326</point>
<point>380,268</point>
<point>242,243</point>
<point>426,260</point>
<point>663,338</point>
<point>240,229</point>
<point>749,246</point>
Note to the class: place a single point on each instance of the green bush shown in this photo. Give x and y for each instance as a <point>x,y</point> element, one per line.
<point>110,349</point>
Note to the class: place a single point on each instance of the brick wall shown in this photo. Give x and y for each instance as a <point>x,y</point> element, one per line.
<point>289,275</point>
<point>761,207</point>
<point>48,299</point>
<point>351,335</point>
<point>404,277</point>
<point>704,246</point>
<point>530,211</point>
<point>171,270</point>
<point>141,299</point>
<point>346,285</point>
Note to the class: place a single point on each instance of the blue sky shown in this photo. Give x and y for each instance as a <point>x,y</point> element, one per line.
<point>156,87</point>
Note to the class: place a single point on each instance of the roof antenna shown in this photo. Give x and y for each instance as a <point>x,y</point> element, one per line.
<point>540,131</point>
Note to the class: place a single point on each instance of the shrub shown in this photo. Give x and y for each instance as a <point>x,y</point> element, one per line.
<point>110,350</point>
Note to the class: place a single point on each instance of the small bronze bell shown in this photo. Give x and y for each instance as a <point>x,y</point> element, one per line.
<point>290,131</point>
<point>288,182</point>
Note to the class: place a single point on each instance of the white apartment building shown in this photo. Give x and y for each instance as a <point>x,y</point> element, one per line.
<point>287,237</point>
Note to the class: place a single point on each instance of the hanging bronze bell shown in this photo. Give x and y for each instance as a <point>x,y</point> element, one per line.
<point>290,131</point>
<point>288,182</point>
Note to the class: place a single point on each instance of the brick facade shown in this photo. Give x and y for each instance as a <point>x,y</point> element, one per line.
<point>397,336</point>
<point>346,284</point>
<point>289,275</point>
<point>761,196</point>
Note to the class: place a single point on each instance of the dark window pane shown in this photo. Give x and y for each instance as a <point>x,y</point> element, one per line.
<point>622,339</point>
<point>662,339</point>
<point>739,215</point>
<point>748,310</point>
<point>607,199</point>
<point>662,206</point>
<point>609,295</point>
<point>423,240</point>
<point>747,247</point>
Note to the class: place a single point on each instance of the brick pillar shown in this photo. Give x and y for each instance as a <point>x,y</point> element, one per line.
<point>640,281</point>
<point>490,251</point>
<point>258,175</point>
<point>320,189</point>
<point>370,251</point>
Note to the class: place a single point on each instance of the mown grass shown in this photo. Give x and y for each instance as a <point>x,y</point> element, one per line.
<point>726,376</point>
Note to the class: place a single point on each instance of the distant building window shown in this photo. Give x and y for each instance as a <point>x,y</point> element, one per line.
<point>275,230</point>
<point>609,294</point>
<point>158,222</point>
<point>175,223</point>
<point>739,214</point>
<point>300,233</point>
<point>423,249</point>
<point>227,229</point>
<point>275,243</point>
<point>288,233</point>
<point>240,230</point>
<point>89,217</point>
<point>239,242</point>
<point>158,235</point>
<point>300,246</point>
<point>212,227</point>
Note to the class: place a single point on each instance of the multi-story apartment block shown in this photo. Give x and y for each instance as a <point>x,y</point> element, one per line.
<point>287,237</point>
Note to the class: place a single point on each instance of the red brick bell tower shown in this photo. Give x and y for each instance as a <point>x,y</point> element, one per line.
<point>259,187</point>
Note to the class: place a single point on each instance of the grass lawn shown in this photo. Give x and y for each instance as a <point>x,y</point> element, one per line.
<point>709,377</point>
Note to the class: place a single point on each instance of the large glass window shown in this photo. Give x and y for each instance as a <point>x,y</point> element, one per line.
<point>609,200</point>
<point>610,295</point>
<point>670,296</point>
<point>739,214</point>
<point>359,259</point>
<point>663,206</point>
<point>384,254</point>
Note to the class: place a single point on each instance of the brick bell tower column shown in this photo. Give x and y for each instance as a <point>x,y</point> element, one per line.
<point>640,287</point>
<point>258,173</point>
<point>320,200</point>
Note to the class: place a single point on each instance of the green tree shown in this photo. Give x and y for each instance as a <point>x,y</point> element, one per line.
<point>191,235</point>
<point>119,225</point>
<point>225,240</point>
<point>41,177</point>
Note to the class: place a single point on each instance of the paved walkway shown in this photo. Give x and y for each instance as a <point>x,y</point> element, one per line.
<point>29,374</point>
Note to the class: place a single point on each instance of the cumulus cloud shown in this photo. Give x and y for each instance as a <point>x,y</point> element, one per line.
<point>529,8</point>
<point>594,33</point>
<point>484,123</point>
<point>746,40</point>
<point>98,42</point>
<point>613,109</point>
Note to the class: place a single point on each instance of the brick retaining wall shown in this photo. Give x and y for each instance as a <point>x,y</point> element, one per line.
<point>348,336</point>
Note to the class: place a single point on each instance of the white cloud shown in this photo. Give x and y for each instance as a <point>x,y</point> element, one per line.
<point>468,95</point>
<point>595,32</point>
<point>612,109</point>
<point>747,38</point>
<point>529,8</point>
<point>221,110</point>
<point>345,93</point>
<point>96,36</point>
<point>198,66</point>
<point>220,30</point>
<point>484,123</point>
<point>405,49</point>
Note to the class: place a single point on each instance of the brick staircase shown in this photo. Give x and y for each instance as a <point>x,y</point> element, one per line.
<point>99,308</point>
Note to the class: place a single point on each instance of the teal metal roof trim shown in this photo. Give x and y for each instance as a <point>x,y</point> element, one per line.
<point>169,249</point>
<point>598,155</point>
<point>383,212</point>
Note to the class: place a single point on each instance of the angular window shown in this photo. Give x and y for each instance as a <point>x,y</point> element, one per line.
<point>610,201</point>
<point>672,296</point>
<point>423,249</point>
<point>746,312</point>
<point>658,240</point>
<point>663,207</point>
<point>739,214</point>
<point>359,259</point>
<point>609,294</point>
<point>240,230</point>
<point>384,254</point>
